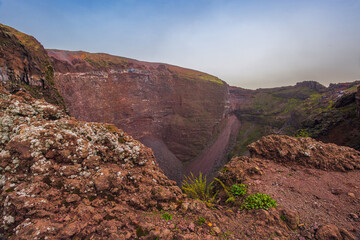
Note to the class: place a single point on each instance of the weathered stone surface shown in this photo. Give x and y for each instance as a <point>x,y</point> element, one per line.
<point>328,232</point>
<point>291,218</point>
<point>50,188</point>
<point>307,152</point>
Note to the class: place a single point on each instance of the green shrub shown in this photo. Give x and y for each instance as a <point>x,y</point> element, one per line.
<point>301,133</point>
<point>201,221</point>
<point>238,190</point>
<point>141,232</point>
<point>166,216</point>
<point>198,188</point>
<point>259,201</point>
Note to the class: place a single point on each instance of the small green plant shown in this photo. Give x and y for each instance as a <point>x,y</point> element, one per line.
<point>283,218</point>
<point>141,232</point>
<point>201,221</point>
<point>238,190</point>
<point>198,188</point>
<point>259,201</point>
<point>301,133</point>
<point>49,74</point>
<point>9,190</point>
<point>166,216</point>
<point>331,103</point>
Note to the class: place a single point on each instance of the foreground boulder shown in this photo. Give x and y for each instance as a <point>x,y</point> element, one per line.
<point>62,178</point>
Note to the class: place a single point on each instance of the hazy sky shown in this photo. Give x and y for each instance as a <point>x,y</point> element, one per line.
<point>247,43</point>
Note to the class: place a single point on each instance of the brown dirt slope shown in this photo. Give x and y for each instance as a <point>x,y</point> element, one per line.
<point>316,185</point>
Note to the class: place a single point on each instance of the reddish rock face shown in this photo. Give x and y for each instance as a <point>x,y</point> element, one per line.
<point>306,151</point>
<point>175,111</point>
<point>24,64</point>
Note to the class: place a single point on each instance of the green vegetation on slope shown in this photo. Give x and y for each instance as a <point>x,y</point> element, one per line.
<point>286,110</point>
<point>194,75</point>
<point>248,133</point>
<point>102,60</point>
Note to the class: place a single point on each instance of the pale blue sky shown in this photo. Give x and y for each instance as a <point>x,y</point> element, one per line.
<point>247,43</point>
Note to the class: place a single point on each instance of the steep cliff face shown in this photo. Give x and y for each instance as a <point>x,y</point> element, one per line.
<point>24,64</point>
<point>175,111</point>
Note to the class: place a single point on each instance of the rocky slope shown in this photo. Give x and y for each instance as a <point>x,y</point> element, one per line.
<point>61,178</point>
<point>24,64</point>
<point>326,114</point>
<point>177,112</point>
<point>316,183</point>
<point>306,152</point>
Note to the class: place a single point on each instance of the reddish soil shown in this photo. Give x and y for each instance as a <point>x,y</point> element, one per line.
<point>319,181</point>
<point>320,197</point>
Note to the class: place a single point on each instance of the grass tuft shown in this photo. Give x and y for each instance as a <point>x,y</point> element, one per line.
<point>198,187</point>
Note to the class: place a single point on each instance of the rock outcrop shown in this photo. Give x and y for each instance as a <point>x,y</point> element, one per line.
<point>305,151</point>
<point>317,194</point>
<point>62,178</point>
<point>24,64</point>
